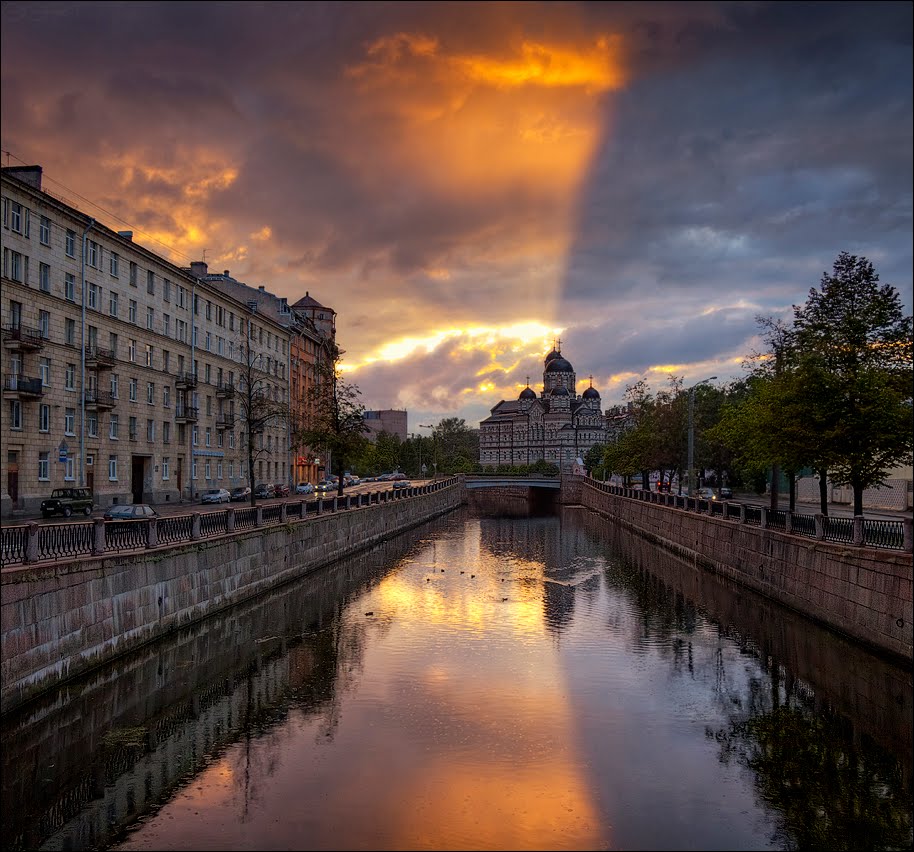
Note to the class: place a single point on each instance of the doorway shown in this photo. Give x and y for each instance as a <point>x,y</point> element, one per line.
<point>12,476</point>
<point>137,476</point>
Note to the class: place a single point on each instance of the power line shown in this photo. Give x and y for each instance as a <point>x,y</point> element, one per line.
<point>114,216</point>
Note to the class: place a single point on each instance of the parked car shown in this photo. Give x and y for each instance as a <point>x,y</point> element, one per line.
<point>706,494</point>
<point>280,489</point>
<point>401,483</point>
<point>326,485</point>
<point>398,477</point>
<point>66,501</point>
<point>264,491</point>
<point>725,493</point>
<point>304,488</point>
<point>130,512</point>
<point>216,495</point>
<point>242,492</point>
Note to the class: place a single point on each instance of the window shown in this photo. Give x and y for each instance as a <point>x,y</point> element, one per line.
<point>209,342</point>
<point>209,470</point>
<point>150,282</point>
<point>114,385</point>
<point>133,389</point>
<point>15,264</point>
<point>231,440</point>
<point>112,468</point>
<point>209,309</point>
<point>231,320</point>
<point>44,467</point>
<point>131,311</point>
<point>93,296</point>
<point>148,354</point>
<point>69,326</point>
<point>150,393</point>
<point>209,399</point>
<point>131,351</point>
<point>231,470</point>
<point>218,470</point>
<point>113,427</point>
<point>15,414</point>
<point>44,418</point>
<point>219,345</point>
<point>165,465</point>
<point>69,421</point>
<point>131,428</point>
<point>69,287</point>
<point>44,324</point>
<point>166,432</point>
<point>207,373</point>
<point>220,439</point>
<point>69,473</point>
<point>133,274</point>
<point>44,278</point>
<point>92,253</point>
<point>44,231</point>
<point>166,325</point>
<point>69,378</point>
<point>150,318</point>
<point>166,290</point>
<point>70,245</point>
<point>166,359</point>
<point>208,437</point>
<point>45,372</point>
<point>193,436</point>
<point>112,304</point>
<point>150,430</point>
<point>166,396</point>
<point>92,424</point>
<point>182,297</point>
<point>193,469</point>
<point>114,264</point>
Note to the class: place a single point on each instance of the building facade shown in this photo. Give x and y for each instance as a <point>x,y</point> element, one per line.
<point>558,426</point>
<point>390,420</point>
<point>120,370</point>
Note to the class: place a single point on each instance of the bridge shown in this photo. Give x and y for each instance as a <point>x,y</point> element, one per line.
<point>497,481</point>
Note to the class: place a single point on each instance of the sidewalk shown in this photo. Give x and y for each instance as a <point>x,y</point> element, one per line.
<point>837,510</point>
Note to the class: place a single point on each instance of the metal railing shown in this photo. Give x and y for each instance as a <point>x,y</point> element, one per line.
<point>22,384</point>
<point>871,532</point>
<point>27,543</point>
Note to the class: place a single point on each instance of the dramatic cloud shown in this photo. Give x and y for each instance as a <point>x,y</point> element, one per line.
<point>463,183</point>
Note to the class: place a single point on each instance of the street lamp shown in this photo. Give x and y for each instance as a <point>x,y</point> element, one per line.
<point>692,432</point>
<point>434,446</point>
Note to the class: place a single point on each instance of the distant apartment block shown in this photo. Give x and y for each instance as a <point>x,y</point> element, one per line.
<point>388,420</point>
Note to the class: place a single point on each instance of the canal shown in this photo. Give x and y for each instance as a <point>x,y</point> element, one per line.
<point>477,683</point>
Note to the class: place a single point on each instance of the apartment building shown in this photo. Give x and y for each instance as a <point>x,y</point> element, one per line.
<point>119,368</point>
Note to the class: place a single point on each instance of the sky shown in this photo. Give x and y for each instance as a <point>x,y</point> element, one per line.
<point>466,183</point>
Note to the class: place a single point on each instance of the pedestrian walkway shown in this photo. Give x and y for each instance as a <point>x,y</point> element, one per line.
<point>837,510</point>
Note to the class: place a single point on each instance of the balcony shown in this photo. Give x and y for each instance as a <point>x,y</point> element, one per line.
<point>99,359</point>
<point>225,421</point>
<point>186,380</point>
<point>225,390</point>
<point>17,386</point>
<point>18,338</point>
<point>99,401</point>
<point>186,414</point>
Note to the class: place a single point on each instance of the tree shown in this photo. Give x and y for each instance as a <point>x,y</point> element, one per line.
<point>337,425</point>
<point>455,446</point>
<point>259,407</point>
<point>852,333</point>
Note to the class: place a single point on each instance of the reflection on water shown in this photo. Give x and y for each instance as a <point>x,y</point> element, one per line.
<point>480,682</point>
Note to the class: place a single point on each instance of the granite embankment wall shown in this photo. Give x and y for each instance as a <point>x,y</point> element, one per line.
<point>61,620</point>
<point>861,592</point>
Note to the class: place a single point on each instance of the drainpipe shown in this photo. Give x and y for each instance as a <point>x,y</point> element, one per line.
<point>82,366</point>
<point>193,372</point>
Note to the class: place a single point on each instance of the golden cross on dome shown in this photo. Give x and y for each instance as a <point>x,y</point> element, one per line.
<point>591,380</point>
<point>528,381</point>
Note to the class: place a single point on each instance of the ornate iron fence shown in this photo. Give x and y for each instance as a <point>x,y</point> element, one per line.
<point>271,514</point>
<point>803,525</point>
<point>174,529</point>
<point>839,529</point>
<point>126,535</point>
<point>883,533</point>
<point>213,523</point>
<point>777,519</point>
<point>732,510</point>
<point>754,515</point>
<point>56,541</point>
<point>13,542</point>
<point>245,518</point>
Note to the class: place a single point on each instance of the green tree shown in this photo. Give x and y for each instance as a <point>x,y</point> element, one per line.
<point>455,446</point>
<point>337,425</point>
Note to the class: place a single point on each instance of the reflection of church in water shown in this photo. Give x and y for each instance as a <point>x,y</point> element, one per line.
<point>557,426</point>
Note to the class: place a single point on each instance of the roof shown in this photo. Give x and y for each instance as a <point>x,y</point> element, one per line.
<point>308,301</point>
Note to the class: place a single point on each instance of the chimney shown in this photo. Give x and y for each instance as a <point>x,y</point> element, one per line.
<point>198,268</point>
<point>127,235</point>
<point>225,272</point>
<point>262,288</point>
<point>27,174</point>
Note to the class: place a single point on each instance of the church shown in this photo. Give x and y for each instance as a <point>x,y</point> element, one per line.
<point>557,426</point>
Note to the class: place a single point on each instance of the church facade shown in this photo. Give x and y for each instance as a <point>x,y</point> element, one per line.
<point>557,426</point>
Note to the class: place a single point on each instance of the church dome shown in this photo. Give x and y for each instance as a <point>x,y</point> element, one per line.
<point>560,391</point>
<point>526,393</point>
<point>590,393</point>
<point>559,365</point>
<point>553,354</point>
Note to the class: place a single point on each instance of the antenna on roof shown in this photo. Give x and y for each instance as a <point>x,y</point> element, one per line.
<point>204,255</point>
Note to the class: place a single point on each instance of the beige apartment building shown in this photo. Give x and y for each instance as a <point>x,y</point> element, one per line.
<point>121,371</point>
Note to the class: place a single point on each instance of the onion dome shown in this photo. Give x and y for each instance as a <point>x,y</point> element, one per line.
<point>553,354</point>
<point>559,365</point>
<point>560,391</point>
<point>527,393</point>
<point>591,393</point>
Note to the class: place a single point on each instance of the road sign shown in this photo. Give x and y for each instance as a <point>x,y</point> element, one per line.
<point>62,451</point>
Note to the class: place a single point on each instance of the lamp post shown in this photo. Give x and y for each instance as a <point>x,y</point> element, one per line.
<point>434,463</point>
<point>692,433</point>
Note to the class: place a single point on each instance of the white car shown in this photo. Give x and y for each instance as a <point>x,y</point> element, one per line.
<point>706,494</point>
<point>216,495</point>
<point>304,488</point>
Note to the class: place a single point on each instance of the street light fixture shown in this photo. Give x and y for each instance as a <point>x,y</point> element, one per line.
<point>691,491</point>
<point>430,426</point>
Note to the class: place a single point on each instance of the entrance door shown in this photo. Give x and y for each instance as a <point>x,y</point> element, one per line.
<point>12,476</point>
<point>180,477</point>
<point>90,481</point>
<point>138,468</point>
